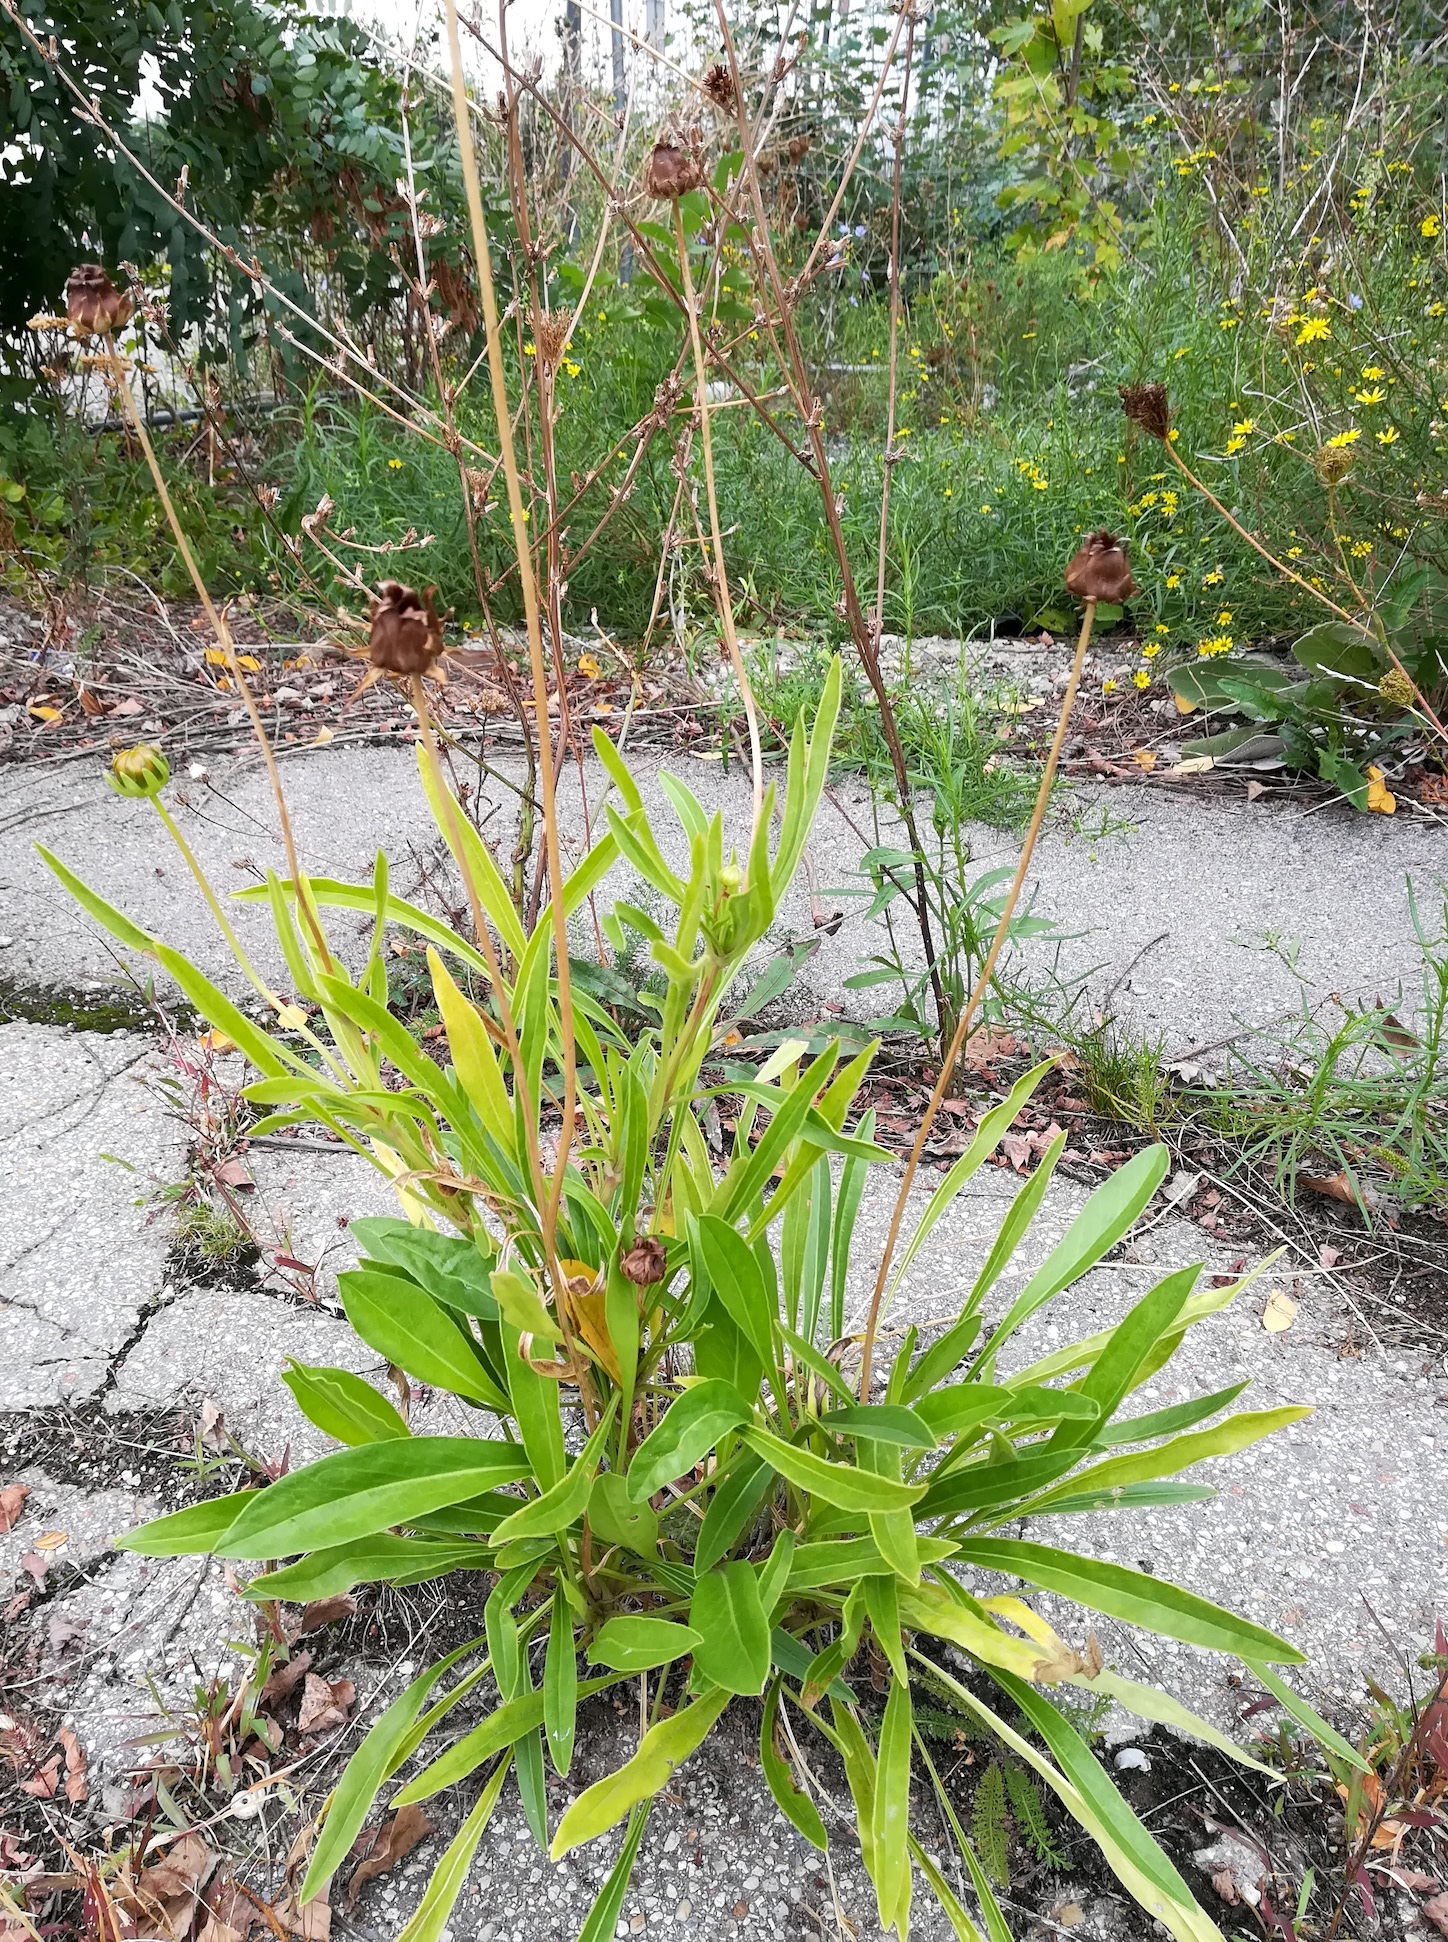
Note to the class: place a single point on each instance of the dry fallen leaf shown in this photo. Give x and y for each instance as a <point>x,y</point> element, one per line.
<point>325,1611</point>
<point>1144,758</point>
<point>286,1679</point>
<point>52,1540</point>
<point>1280,1312</point>
<point>322,737</point>
<point>1225,1886</point>
<point>313,1922</point>
<point>43,713</point>
<point>1193,765</point>
<point>12,1504</point>
<point>383,1846</point>
<point>1338,1186</point>
<point>325,1704</point>
<point>1256,789</point>
<point>1437,1913</point>
<point>130,706</point>
<point>1380,796</point>
<point>77,1787</point>
<point>43,1783</point>
<point>1396,1034</point>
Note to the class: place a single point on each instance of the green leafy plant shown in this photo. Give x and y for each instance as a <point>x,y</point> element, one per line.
<point>1351,708</point>
<point>678,1478</point>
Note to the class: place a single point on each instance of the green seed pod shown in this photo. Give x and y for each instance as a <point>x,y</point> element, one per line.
<point>140,771</point>
<point>1396,689</point>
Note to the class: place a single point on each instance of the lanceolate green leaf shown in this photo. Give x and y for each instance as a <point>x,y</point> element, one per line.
<point>1306,1716</point>
<point>503,1727</point>
<point>1113,1374</point>
<point>382,1558</point>
<point>892,1806</point>
<point>791,1800</point>
<point>199,1528</point>
<point>560,1685</point>
<point>733,1628</point>
<point>357,1492</point>
<point>1238,1432</point>
<point>602,1921</point>
<point>733,1504</point>
<point>352,1799</point>
<point>634,1644</point>
<point>565,1503</point>
<point>663,1747</point>
<point>1152,1603</point>
<point>840,1484</point>
<point>342,1405</point>
<point>1107,1215</point>
<point>690,1429</point>
<point>408,1327</point>
<point>439,1898</point>
<point>995,1124</point>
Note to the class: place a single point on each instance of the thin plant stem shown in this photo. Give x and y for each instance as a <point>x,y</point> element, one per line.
<point>987,972</point>
<point>287,1013</point>
<point>796,374</point>
<point>1377,631</point>
<point>527,582</point>
<point>891,457</point>
<point>116,371</point>
<point>721,578</point>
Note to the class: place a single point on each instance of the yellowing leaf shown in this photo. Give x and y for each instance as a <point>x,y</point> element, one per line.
<point>1380,796</point>
<point>1280,1312</point>
<point>1144,758</point>
<point>589,667</point>
<point>216,1041</point>
<point>249,662</point>
<point>1194,765</point>
<point>43,713</point>
<point>321,738</point>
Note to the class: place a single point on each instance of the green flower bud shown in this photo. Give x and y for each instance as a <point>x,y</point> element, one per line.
<point>140,771</point>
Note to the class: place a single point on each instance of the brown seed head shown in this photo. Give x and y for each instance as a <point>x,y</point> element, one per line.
<point>550,334</point>
<point>645,1261</point>
<point>670,173</point>
<point>1147,405</point>
<point>719,86</point>
<point>406,633</point>
<point>1332,464</point>
<point>93,304</point>
<point>1101,570</point>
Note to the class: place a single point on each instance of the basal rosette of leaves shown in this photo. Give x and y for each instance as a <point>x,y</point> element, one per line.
<point>673,1478</point>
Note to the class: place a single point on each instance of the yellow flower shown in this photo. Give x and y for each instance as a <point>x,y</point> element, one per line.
<point>1224,617</point>
<point>1429,226</point>
<point>1215,644</point>
<point>1040,484</point>
<point>1341,439</point>
<point>1169,503</point>
<point>1244,426</point>
<point>1389,437</point>
<point>1173,579</point>
<point>1108,686</point>
<point>394,465</point>
<point>1373,397</point>
<point>1185,351</point>
<point>1214,578</point>
<point>603,316</point>
<point>1294,552</point>
<point>1141,679</point>
<point>1436,309</point>
<point>571,368</point>
<point>949,492</point>
<point>1234,445</point>
<point>1314,330</point>
<point>1372,372</point>
<point>1151,650</point>
<point>1361,548</point>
